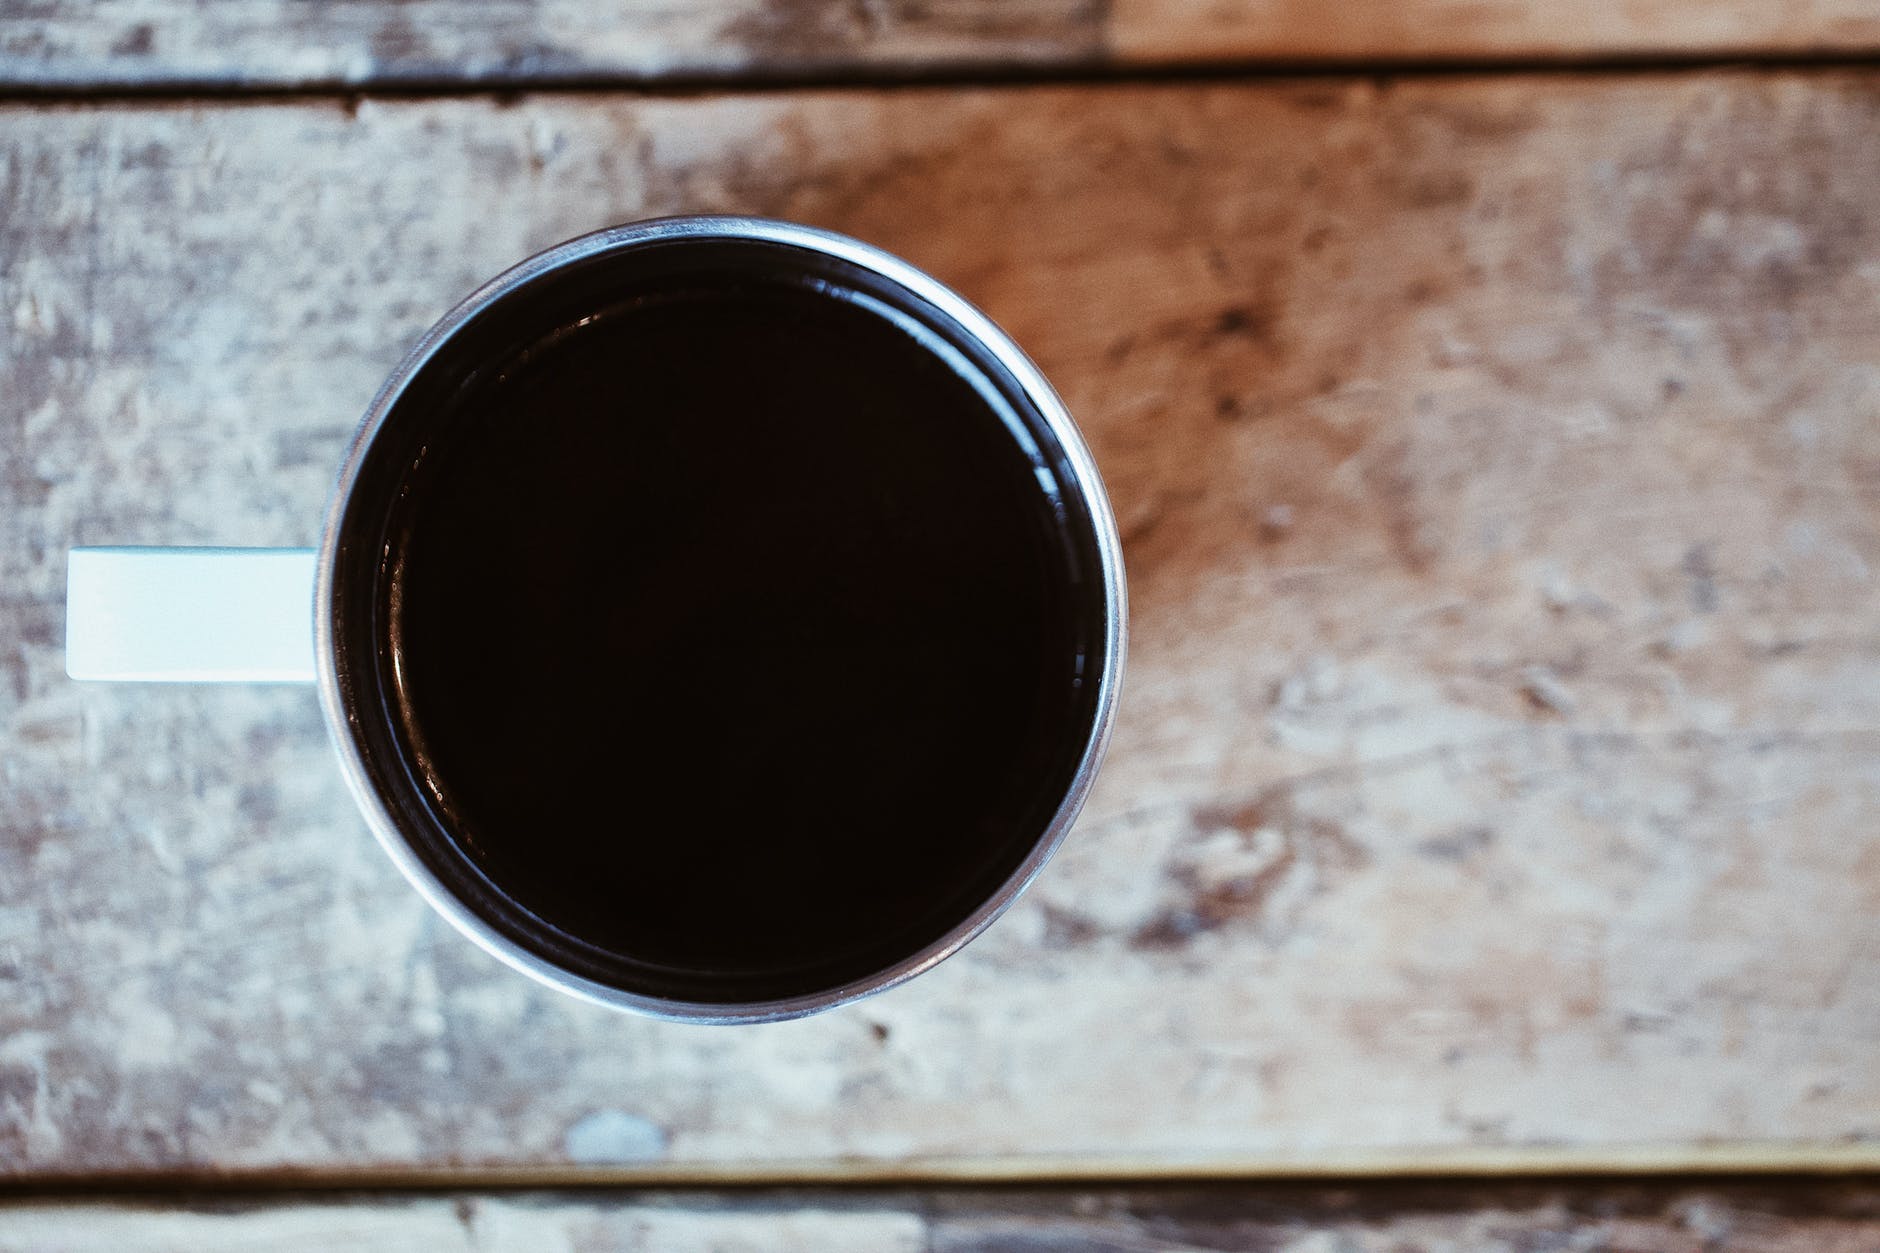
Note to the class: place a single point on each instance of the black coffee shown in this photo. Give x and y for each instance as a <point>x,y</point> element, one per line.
<point>739,632</point>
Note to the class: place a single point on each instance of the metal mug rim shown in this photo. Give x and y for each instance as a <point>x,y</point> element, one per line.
<point>1088,483</point>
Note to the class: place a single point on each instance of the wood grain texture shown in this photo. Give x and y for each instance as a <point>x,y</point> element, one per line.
<point>1499,764</point>
<point>1186,31</point>
<point>1740,1218</point>
<point>284,42</point>
<point>79,43</point>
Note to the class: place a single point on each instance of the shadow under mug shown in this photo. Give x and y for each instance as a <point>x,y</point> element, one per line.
<point>296,616</point>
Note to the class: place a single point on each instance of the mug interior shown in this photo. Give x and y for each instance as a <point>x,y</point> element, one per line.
<point>358,615</point>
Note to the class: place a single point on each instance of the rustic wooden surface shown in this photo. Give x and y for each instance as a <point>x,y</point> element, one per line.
<point>1498,773</point>
<point>78,43</point>
<point>1743,1218</point>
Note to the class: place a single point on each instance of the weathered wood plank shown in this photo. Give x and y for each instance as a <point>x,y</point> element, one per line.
<point>1738,1218</point>
<point>463,1223</point>
<point>80,43</point>
<point>1156,31</point>
<point>1499,765</point>
<point>76,43</point>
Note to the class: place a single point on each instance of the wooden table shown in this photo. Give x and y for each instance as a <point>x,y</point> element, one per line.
<point>1491,402</point>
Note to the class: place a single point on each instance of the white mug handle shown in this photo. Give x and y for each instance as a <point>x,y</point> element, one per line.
<point>190,615</point>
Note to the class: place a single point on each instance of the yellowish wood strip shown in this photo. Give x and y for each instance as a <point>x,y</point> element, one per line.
<point>1164,31</point>
<point>1508,1163</point>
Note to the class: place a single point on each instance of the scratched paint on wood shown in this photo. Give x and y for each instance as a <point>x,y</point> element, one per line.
<point>1497,770</point>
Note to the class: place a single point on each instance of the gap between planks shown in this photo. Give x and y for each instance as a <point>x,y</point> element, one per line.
<point>1739,1162</point>
<point>758,81</point>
